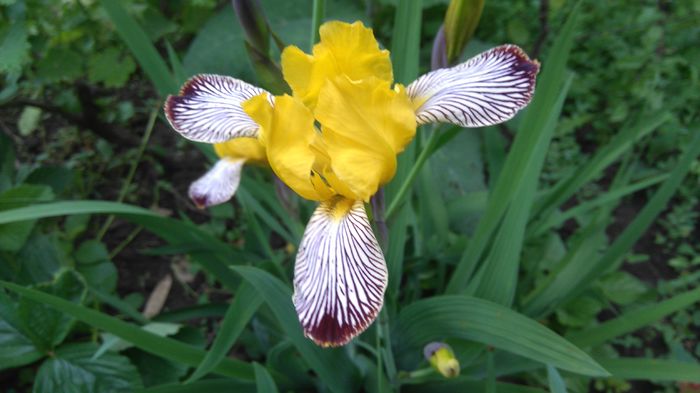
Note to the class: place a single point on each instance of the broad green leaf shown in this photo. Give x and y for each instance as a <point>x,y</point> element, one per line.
<point>110,67</point>
<point>149,342</point>
<point>244,305</point>
<point>39,259</point>
<point>14,235</point>
<point>72,369</point>
<point>478,320</point>
<point>652,369</point>
<point>331,365</point>
<point>15,47</point>
<point>92,261</point>
<point>17,349</point>
<point>263,380</point>
<point>60,64</point>
<point>633,320</point>
<point>44,325</point>
<point>523,151</point>
<point>622,288</point>
<point>141,47</point>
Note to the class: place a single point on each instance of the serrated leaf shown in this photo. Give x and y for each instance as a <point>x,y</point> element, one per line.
<point>17,349</point>
<point>110,67</point>
<point>60,64</point>
<point>622,288</point>
<point>94,264</point>
<point>14,235</point>
<point>44,325</point>
<point>72,369</point>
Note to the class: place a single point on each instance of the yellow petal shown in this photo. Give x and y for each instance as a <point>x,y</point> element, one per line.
<point>365,124</point>
<point>348,49</point>
<point>287,130</point>
<point>249,149</point>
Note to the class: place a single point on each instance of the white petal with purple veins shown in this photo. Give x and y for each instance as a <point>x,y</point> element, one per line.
<point>340,275</point>
<point>217,185</point>
<point>487,89</point>
<point>209,110</point>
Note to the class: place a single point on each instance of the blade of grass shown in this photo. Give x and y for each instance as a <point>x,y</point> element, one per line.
<point>556,383</point>
<point>210,310</point>
<point>141,47</point>
<point>56,209</point>
<point>263,380</point>
<point>575,280</point>
<point>160,346</point>
<point>633,320</point>
<point>611,152</point>
<point>499,276</point>
<point>608,197</point>
<point>244,305</point>
<point>652,369</point>
<point>535,118</point>
<point>458,316</point>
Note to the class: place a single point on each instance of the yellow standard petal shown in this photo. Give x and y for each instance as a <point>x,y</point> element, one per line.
<point>287,130</point>
<point>365,124</point>
<point>348,49</point>
<point>248,149</point>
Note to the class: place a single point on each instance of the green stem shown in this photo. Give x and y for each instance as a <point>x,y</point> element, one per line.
<point>316,19</point>
<point>132,170</point>
<point>417,166</point>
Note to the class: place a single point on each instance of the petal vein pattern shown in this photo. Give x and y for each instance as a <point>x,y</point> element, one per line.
<point>340,275</point>
<point>209,110</point>
<point>218,185</point>
<point>488,89</point>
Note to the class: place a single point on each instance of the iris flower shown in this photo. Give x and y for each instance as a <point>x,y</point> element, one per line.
<point>335,140</point>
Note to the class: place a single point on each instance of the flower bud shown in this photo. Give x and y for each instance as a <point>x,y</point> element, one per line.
<point>442,359</point>
<point>461,20</point>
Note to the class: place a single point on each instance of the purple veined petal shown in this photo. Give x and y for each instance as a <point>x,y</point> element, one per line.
<point>218,185</point>
<point>340,275</point>
<point>208,109</point>
<point>487,89</point>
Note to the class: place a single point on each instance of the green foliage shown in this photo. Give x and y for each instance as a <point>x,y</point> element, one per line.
<point>524,246</point>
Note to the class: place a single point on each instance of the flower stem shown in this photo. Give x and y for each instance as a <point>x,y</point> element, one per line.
<point>132,169</point>
<point>316,19</point>
<point>403,190</point>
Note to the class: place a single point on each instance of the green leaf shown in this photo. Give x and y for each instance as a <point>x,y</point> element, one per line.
<point>556,383</point>
<point>633,320</point>
<point>465,384</point>
<point>7,162</point>
<point>652,369</point>
<point>14,48</point>
<point>524,150</point>
<point>263,380</point>
<point>94,264</point>
<point>14,235</point>
<point>244,305</point>
<point>37,262</point>
<point>17,349</point>
<point>110,67</point>
<point>141,47</point>
<point>44,325</point>
<point>67,208</point>
<point>149,342</point>
<point>478,320</point>
<point>72,369</point>
<point>622,288</point>
<point>60,64</point>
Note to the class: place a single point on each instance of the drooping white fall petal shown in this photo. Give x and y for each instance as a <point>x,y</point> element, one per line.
<point>340,275</point>
<point>218,185</point>
<point>208,109</point>
<point>487,89</point>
